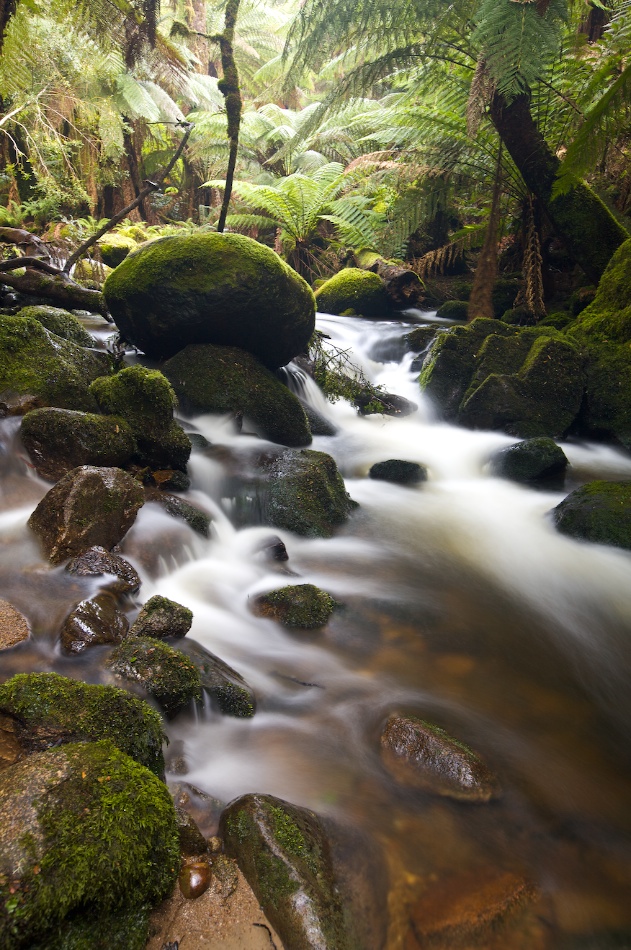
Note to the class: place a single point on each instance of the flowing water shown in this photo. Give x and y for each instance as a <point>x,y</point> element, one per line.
<point>460,603</point>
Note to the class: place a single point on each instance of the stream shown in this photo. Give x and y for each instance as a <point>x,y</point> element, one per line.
<point>460,603</point>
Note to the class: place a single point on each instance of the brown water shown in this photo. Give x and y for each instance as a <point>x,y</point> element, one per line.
<point>461,603</point>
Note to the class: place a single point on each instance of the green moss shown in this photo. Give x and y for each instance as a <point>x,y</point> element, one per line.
<point>161,617</point>
<point>354,289</point>
<point>608,318</point>
<point>115,248</point>
<point>453,310</point>
<point>35,362</point>
<point>299,605</point>
<point>60,322</point>
<point>120,929</point>
<point>532,459</point>
<point>599,512</point>
<point>606,410</point>
<point>166,674</point>
<point>59,440</point>
<point>52,709</point>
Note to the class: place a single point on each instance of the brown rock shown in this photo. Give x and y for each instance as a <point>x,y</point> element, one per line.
<point>94,622</point>
<point>10,748</point>
<point>13,626</point>
<point>420,755</point>
<point>97,561</point>
<point>89,506</point>
<point>195,879</point>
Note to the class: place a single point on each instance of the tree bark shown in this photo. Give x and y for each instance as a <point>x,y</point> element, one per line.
<point>581,219</point>
<point>481,299</point>
<point>403,286</point>
<point>229,87</point>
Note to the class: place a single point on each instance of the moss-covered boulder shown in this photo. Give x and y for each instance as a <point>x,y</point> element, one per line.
<point>423,756</point>
<point>161,618</point>
<point>352,289</point>
<point>606,409</point>
<point>145,399</point>
<point>291,859</point>
<point>92,623</point>
<point>97,562</point>
<point>164,673</point>
<point>398,471</point>
<point>608,318</point>
<point>89,506</point>
<point>226,688</point>
<point>114,248</point>
<point>59,322</point>
<point>49,710</point>
<point>530,460</point>
<point>225,379</point>
<point>224,289</point>
<point>298,605</point>
<point>59,440</point>
<point>453,310</point>
<point>85,831</point>
<point>36,362</point>
<point>599,511</point>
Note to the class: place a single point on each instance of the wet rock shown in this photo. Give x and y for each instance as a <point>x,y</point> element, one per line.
<point>420,755</point>
<point>530,460</point>
<point>354,290</point>
<point>13,626</point>
<point>606,409</point>
<point>48,709</point>
<point>273,549</point>
<point>59,440</point>
<point>469,909</point>
<point>93,623</point>
<point>172,480</point>
<point>192,841</point>
<point>399,472</point>
<point>96,561</point>
<point>10,748</point>
<point>318,424</point>
<point>223,379</point>
<point>59,322</point>
<point>203,809</point>
<point>299,605</point>
<point>145,399</point>
<point>195,879</point>
<point>287,854</point>
<point>13,405</point>
<point>599,512</point>
<point>161,618</point>
<point>84,831</point>
<point>388,404</point>
<point>420,338</point>
<point>89,506</point>
<point>39,364</point>
<point>224,289</point>
<point>226,688</point>
<point>164,673</point>
<point>194,517</point>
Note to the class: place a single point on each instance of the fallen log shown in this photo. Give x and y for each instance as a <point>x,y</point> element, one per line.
<point>58,288</point>
<point>403,286</point>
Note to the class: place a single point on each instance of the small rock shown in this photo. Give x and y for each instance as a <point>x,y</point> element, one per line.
<point>529,460</point>
<point>599,512</point>
<point>194,517</point>
<point>89,506</point>
<point>13,626</point>
<point>192,841</point>
<point>420,755</point>
<point>96,561</point>
<point>399,472</point>
<point>195,879</point>
<point>298,605</point>
<point>161,618</point>
<point>92,623</point>
<point>273,549</point>
<point>203,809</point>
<point>172,478</point>
<point>387,404</point>
<point>225,686</point>
<point>166,674</point>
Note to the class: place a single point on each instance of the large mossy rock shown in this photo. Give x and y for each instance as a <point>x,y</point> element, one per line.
<point>144,398</point>
<point>115,248</point>
<point>89,506</point>
<point>211,288</point>
<point>608,318</point>
<point>60,322</point>
<point>360,291</point>
<point>530,460</point>
<point>164,673</point>
<point>161,618</point>
<point>291,859</point>
<point>528,382</point>
<point>599,511</point>
<point>224,379</point>
<point>299,605</point>
<point>36,362</point>
<point>49,710</point>
<point>85,831</point>
<point>59,440</point>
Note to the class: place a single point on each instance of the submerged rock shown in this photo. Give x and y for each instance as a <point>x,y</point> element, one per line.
<point>92,623</point>
<point>224,289</point>
<point>599,512</point>
<point>48,710</point>
<point>353,289</point>
<point>59,440</point>
<point>421,755</point>
<point>161,618</point>
<point>164,673</point>
<point>299,605</point>
<point>59,322</point>
<point>145,399</point>
<point>96,561</point>
<point>225,687</point>
<point>84,831</point>
<point>89,506</point>
<point>13,626</point>
<point>224,379</point>
<point>529,460</point>
<point>399,472</point>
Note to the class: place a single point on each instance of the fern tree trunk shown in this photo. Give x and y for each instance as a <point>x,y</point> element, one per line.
<point>588,228</point>
<point>229,86</point>
<point>481,299</point>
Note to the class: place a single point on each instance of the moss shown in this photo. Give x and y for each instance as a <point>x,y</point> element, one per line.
<point>223,379</point>
<point>107,839</point>
<point>52,709</point>
<point>59,322</point>
<point>224,289</point>
<point>166,674</point>
<point>606,410</point>
<point>120,929</point>
<point>608,318</point>
<point>299,605</point>
<point>35,362</point>
<point>398,471</point>
<point>453,310</point>
<point>559,320</point>
<point>599,512</point>
<point>161,617</point>
<point>115,248</point>
<point>503,297</point>
<point>354,289</point>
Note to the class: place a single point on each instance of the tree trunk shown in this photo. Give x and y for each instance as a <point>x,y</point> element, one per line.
<point>58,288</point>
<point>403,286</point>
<point>229,87</point>
<point>134,170</point>
<point>481,299</point>
<point>587,227</point>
